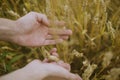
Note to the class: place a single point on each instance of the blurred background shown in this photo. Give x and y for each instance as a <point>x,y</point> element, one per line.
<point>94,48</point>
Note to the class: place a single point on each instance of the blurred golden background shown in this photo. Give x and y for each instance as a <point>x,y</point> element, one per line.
<point>94,48</point>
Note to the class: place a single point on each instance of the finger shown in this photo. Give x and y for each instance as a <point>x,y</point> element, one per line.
<point>64,37</point>
<point>74,77</point>
<point>53,31</point>
<point>64,65</point>
<point>55,54</point>
<point>58,71</point>
<point>53,50</point>
<point>43,19</point>
<point>52,42</point>
<point>52,37</point>
<point>45,60</point>
<point>48,61</point>
<point>54,63</point>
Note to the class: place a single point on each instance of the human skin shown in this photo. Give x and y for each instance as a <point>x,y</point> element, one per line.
<point>33,30</point>
<point>37,70</point>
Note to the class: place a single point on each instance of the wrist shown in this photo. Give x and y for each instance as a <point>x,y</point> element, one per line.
<point>8,28</point>
<point>24,74</point>
<point>16,75</point>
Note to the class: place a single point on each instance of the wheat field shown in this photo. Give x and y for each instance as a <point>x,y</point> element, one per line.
<point>93,50</point>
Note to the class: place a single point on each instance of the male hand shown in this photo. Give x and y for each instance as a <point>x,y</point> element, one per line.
<point>33,30</point>
<point>45,70</point>
<point>49,71</point>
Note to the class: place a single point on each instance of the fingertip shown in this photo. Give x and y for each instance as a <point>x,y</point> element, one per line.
<point>55,54</point>
<point>70,32</point>
<point>65,65</point>
<point>45,60</point>
<point>54,50</point>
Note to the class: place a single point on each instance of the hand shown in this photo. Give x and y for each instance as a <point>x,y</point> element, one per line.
<point>49,71</point>
<point>33,30</point>
<point>37,70</point>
